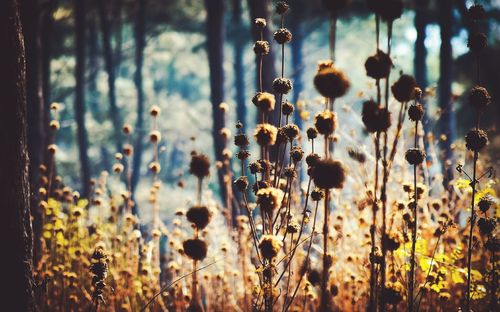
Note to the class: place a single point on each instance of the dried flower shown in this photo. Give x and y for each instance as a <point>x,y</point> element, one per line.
<point>269,246</point>
<point>329,81</point>
<point>199,166</point>
<point>282,7</point>
<point>328,173</point>
<point>241,183</point>
<point>378,66</point>
<point>127,129</point>
<point>485,203</point>
<point>54,125</point>
<point>155,111</point>
<point>416,112</point>
<point>325,122</point>
<point>296,153</point>
<point>391,241</point>
<point>312,133</point>
<point>486,225</point>
<point>195,249</point>
<point>375,118</point>
<point>287,108</point>
<point>264,101</point>
<point>393,292</point>
<point>477,42</point>
<point>282,85</point>
<point>260,23</point>
<point>282,36</point>
<point>200,216</point>
<point>155,136</point>
<point>265,134</point>
<point>241,140</point>
<point>415,156</point>
<point>479,97</point>
<point>291,131</point>
<point>312,159</point>
<point>261,47</point>
<point>255,167</point>
<point>317,195</point>
<point>476,12</point>
<point>475,140</point>
<point>404,88</point>
<point>269,198</point>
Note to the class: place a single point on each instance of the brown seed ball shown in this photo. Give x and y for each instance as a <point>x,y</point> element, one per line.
<point>155,111</point>
<point>242,155</point>
<point>414,156</point>
<point>314,277</point>
<point>52,149</point>
<point>325,122</point>
<point>54,125</point>
<point>269,199</point>
<point>282,85</point>
<point>317,195</point>
<point>329,173</point>
<point>485,203</point>
<point>128,149</point>
<point>155,136</point>
<point>475,140</point>
<point>335,5</point>
<point>416,112</point>
<point>486,225</point>
<point>269,246</point>
<point>255,167</point>
<point>241,183</point>
<point>393,292</point>
<point>261,47</point>
<point>312,133</point>
<point>296,153</point>
<point>155,167</point>
<point>391,241</point>
<point>282,36</point>
<point>287,108</point>
<point>329,81</point>
<point>375,118</point>
<point>378,66</point>
<point>260,23</point>
<point>282,7</point>
<point>200,216</point>
<point>127,129</point>
<point>312,159</point>
<point>258,186</point>
<point>291,131</point>
<point>479,97</point>
<point>404,88</point>
<point>264,101</point>
<point>199,166</point>
<point>196,249</point>
<point>492,244</point>
<point>476,12</point>
<point>477,42</point>
<point>241,140</point>
<point>265,134</point>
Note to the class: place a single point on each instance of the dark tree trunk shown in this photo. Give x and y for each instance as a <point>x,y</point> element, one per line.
<point>140,44</point>
<point>297,45</point>
<point>447,119</point>
<point>262,9</point>
<point>114,112</point>
<point>17,262</point>
<point>215,51</point>
<point>35,107</point>
<point>239,68</point>
<point>79,108</point>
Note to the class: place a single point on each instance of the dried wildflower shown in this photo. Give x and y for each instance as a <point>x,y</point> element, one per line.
<point>314,277</point>
<point>416,112</point>
<point>255,167</point>
<point>475,140</point>
<point>118,168</point>
<point>199,166</point>
<point>264,101</point>
<point>317,195</point>
<point>291,131</point>
<point>293,227</point>
<point>375,118</point>
<point>260,23</point>
<point>479,97</point>
<point>312,159</point>
<point>485,203</point>
<point>335,5</point>
<point>415,156</point>
<point>312,133</point>
<point>477,42</point>
<point>259,185</point>
<point>269,246</point>
<point>261,47</point>
<point>241,140</point>
<point>486,225</point>
<point>296,153</point>
<point>195,248</point>
<point>52,148</point>
<point>242,155</point>
<point>282,36</point>
<point>127,129</point>
<point>393,292</point>
<point>287,108</point>
<point>328,173</point>
<point>265,134</point>
<point>476,12</point>
<point>241,183</point>
<point>200,216</point>
<point>492,244</point>
<point>128,149</point>
<point>391,241</point>
<point>325,122</point>
<point>155,167</point>
<point>404,88</point>
<point>155,136</point>
<point>329,81</point>
<point>54,125</point>
<point>282,7</point>
<point>290,173</point>
<point>282,85</point>
<point>155,111</point>
<point>269,199</point>
<point>378,66</point>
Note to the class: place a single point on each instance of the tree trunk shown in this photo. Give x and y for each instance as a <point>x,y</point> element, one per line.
<point>444,86</point>
<point>239,67</point>
<point>140,44</point>
<point>79,108</point>
<point>35,107</point>
<point>262,9</point>
<point>114,112</point>
<point>297,56</point>
<point>17,264</point>
<point>215,51</point>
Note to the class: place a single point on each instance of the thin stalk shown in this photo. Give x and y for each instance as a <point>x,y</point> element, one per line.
<point>411,282</point>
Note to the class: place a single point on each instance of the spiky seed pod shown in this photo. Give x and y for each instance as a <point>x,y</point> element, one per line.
<point>264,101</point>
<point>486,225</point>
<point>296,153</point>
<point>375,118</point>
<point>477,42</point>
<point>282,7</point>
<point>475,140</point>
<point>378,66</point>
<point>391,240</point>
<point>242,155</point>
<point>195,248</point>
<point>325,122</point>
<point>265,134</point>
<point>260,23</point>
<point>404,88</point>
<point>269,199</point>
<point>329,81</point>
<point>241,183</point>
<point>200,216</point>
<point>255,167</point>
<point>416,112</point>
<point>257,186</point>
<point>199,166</point>
<point>282,36</point>
<point>291,131</point>
<point>476,12</point>
<point>287,108</point>
<point>281,136</point>
<point>269,246</point>
<point>317,195</point>
<point>282,85</point>
<point>266,165</point>
<point>485,203</point>
<point>241,140</point>
<point>415,156</point>
<point>329,173</point>
<point>261,47</point>
<point>479,97</point>
<point>312,133</point>
<point>335,5</point>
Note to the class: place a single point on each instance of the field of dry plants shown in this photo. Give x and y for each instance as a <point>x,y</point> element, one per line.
<point>305,225</point>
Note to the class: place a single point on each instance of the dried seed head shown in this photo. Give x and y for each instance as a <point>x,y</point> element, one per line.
<point>329,81</point>
<point>282,36</point>
<point>118,168</point>
<point>415,156</point>
<point>287,108</point>
<point>476,12</point>
<point>155,167</point>
<point>282,7</point>
<point>155,136</point>
<point>269,246</point>
<point>329,173</point>
<point>261,47</point>
<point>312,159</point>
<point>264,101</point>
<point>375,118</point>
<point>255,167</point>
<point>393,292</point>
<point>378,66</point>
<point>296,153</point>
<point>282,85</point>
<point>196,249</point>
<point>404,88</point>
<point>241,140</point>
<point>52,148</point>
<point>477,42</point>
<point>128,149</point>
<point>479,97</point>
<point>291,131</point>
<point>155,111</point>
<point>54,125</point>
<point>317,195</point>
<point>199,166</point>
<point>416,112</point>
<point>200,216</point>
<point>325,122</point>
<point>127,129</point>
<point>241,183</point>
<point>475,140</point>
<point>269,199</point>
<point>312,133</point>
<point>391,241</point>
<point>260,23</point>
<point>486,225</point>
<point>485,203</point>
<point>265,134</point>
